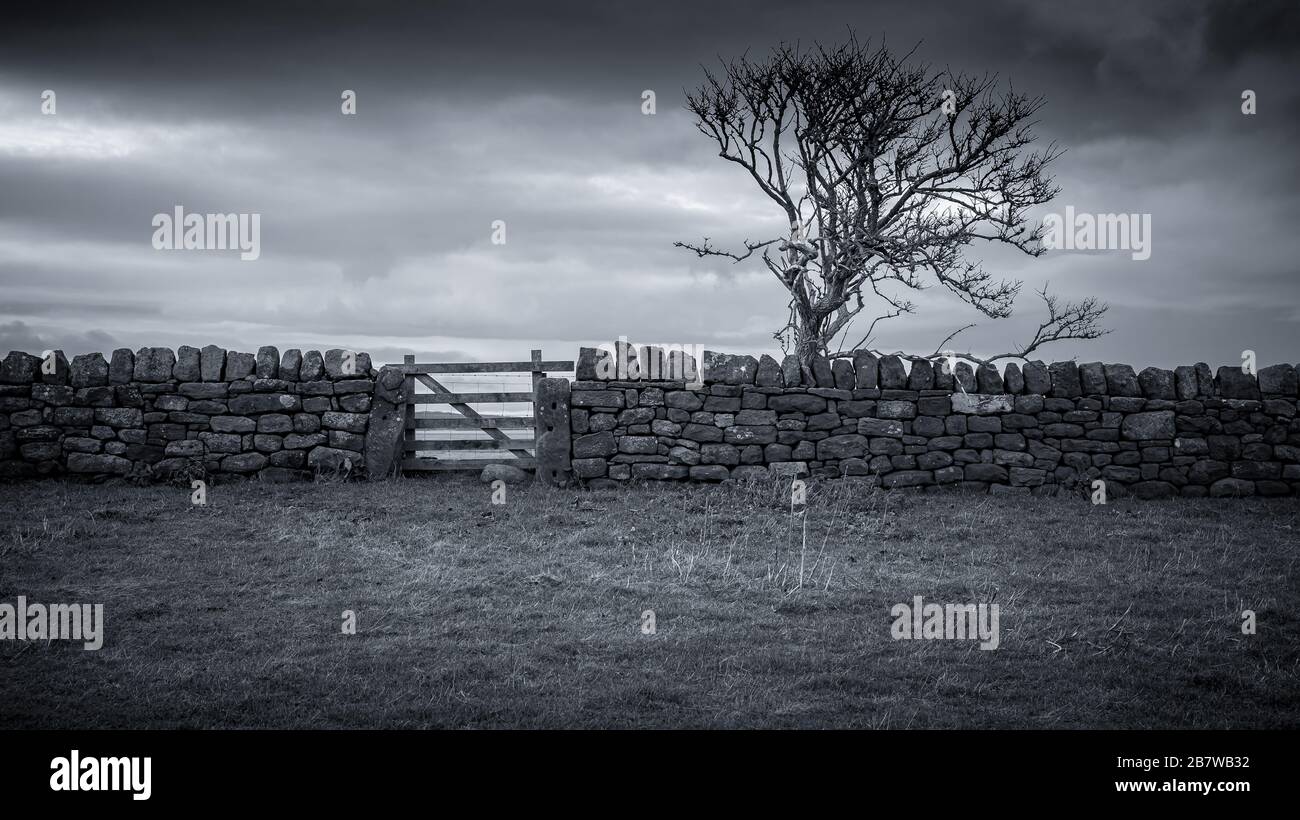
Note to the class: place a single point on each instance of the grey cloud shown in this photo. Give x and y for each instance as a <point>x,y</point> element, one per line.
<point>376,227</point>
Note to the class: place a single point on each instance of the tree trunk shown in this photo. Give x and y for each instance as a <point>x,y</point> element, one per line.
<point>809,342</point>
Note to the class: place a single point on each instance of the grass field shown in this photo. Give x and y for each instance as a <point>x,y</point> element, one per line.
<point>529,614</point>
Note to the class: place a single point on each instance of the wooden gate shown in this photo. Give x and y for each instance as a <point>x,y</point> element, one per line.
<point>518,452</point>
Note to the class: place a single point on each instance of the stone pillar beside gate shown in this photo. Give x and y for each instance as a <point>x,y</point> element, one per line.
<point>551,420</point>
<point>385,431</point>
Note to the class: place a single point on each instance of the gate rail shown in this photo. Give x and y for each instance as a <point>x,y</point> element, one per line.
<point>521,451</point>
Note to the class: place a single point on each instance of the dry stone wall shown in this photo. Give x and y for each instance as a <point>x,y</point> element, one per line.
<point>1032,429</point>
<point>156,413</point>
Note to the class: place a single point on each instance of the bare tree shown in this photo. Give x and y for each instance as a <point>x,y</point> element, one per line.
<point>885,171</point>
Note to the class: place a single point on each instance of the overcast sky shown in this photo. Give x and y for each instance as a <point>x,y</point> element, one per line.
<point>376,228</point>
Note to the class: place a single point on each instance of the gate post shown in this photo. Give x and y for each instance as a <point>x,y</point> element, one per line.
<point>551,431</point>
<point>387,425</point>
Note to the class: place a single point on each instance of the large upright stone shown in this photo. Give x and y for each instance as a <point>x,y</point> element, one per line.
<point>963,375</point>
<point>822,374</point>
<point>346,364</point>
<point>313,367</point>
<point>987,379</point>
<point>1235,384</point>
<point>654,364</point>
<point>268,362</point>
<point>1037,378</point>
<point>1122,381</point>
<point>1065,380</point>
<point>1157,383</point>
<point>189,364</point>
<point>943,375</point>
<point>1013,381</point>
<point>594,363</point>
<point>290,364</point>
<point>1185,382</point>
<point>791,372</point>
<point>385,426</point>
<point>335,363</point>
<point>867,368</point>
<point>20,368</point>
<point>726,368</point>
<point>922,375</point>
<point>89,370</point>
<point>212,363</point>
<point>626,363</point>
<point>1092,378</point>
<point>893,375</point>
<point>1205,387</point>
<point>1278,380</point>
<point>121,368</point>
<point>239,365</point>
<point>842,370</point>
<point>56,369</point>
<point>553,436</point>
<point>769,373</point>
<point>154,364</point>
<point>682,367</point>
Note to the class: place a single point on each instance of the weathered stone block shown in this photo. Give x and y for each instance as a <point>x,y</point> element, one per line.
<point>893,374</point>
<point>921,376</point>
<point>1092,378</point>
<point>1234,384</point>
<point>988,381</point>
<point>267,363</point>
<point>89,370</point>
<point>880,427</point>
<point>843,446</point>
<point>597,445</point>
<point>1157,383</point>
<point>154,364</point>
<point>121,367</point>
<point>1038,379</point>
<point>769,373</point>
<point>253,403</point>
<point>20,368</point>
<point>313,367</point>
<point>842,371</point>
<point>797,403</point>
<point>1147,426</point>
<point>601,398</point>
<point>866,368</point>
<point>98,463</point>
<point>239,365</point>
<point>726,368</point>
<point>350,422</point>
<point>980,404</point>
<point>964,378</point>
<point>1279,380</point>
<point>1065,380</point>
<point>212,363</point>
<point>896,409</point>
<point>119,417</point>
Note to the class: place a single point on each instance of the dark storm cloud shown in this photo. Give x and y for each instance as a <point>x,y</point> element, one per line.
<point>376,228</point>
